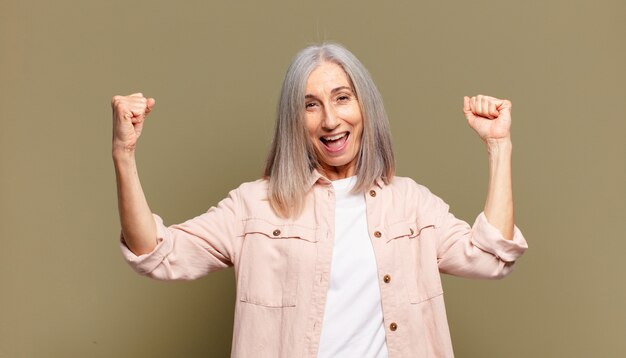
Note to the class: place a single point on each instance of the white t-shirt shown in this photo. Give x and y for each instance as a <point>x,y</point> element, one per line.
<point>353,318</point>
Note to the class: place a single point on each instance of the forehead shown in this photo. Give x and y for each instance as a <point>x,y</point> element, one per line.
<point>327,74</point>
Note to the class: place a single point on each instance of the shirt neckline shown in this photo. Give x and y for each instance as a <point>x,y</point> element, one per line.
<point>345,184</point>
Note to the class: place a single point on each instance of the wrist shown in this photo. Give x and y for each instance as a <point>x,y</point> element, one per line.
<point>123,156</point>
<point>499,145</point>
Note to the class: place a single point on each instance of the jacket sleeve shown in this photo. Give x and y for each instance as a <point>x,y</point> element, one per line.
<point>192,249</point>
<point>479,251</point>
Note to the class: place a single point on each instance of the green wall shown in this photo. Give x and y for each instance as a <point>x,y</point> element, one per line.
<point>215,68</point>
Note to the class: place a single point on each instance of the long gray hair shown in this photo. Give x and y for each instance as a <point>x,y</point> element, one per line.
<point>292,157</point>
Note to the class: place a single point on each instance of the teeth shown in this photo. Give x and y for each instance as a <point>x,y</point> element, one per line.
<point>335,137</point>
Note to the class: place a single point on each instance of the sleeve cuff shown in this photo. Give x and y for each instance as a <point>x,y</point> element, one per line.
<point>489,238</point>
<point>146,263</point>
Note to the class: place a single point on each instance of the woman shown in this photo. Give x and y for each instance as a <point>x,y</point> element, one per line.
<point>334,255</point>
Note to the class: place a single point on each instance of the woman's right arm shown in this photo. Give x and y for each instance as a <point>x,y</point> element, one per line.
<point>138,226</point>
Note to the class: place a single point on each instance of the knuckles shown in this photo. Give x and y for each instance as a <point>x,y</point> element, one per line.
<point>480,101</point>
<point>120,103</point>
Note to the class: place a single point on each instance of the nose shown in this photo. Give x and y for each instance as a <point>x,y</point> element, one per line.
<point>330,120</point>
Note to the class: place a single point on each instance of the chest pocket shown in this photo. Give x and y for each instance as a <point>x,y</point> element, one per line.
<point>416,248</point>
<point>271,261</point>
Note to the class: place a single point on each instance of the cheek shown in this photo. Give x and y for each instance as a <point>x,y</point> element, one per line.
<point>353,114</point>
<point>357,123</point>
<point>357,142</point>
<point>358,131</point>
<point>349,113</point>
<point>311,126</point>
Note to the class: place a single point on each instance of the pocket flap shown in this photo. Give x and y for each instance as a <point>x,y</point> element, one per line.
<point>400,229</point>
<point>405,229</point>
<point>282,231</point>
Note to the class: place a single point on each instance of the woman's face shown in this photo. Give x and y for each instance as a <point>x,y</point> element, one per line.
<point>333,120</point>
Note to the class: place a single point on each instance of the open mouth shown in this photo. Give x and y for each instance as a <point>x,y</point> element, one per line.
<point>335,143</point>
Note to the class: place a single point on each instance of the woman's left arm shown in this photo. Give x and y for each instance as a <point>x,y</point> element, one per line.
<point>491,118</point>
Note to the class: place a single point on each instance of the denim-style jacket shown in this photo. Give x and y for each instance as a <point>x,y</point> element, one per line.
<point>282,266</point>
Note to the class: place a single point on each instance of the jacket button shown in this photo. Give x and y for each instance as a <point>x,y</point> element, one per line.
<point>387,278</point>
<point>276,232</point>
<point>393,326</point>
<point>377,234</point>
<point>372,193</point>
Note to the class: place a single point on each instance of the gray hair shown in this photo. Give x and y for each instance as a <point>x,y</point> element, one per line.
<point>292,158</point>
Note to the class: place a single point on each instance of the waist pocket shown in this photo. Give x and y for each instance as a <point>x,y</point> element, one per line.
<point>270,262</point>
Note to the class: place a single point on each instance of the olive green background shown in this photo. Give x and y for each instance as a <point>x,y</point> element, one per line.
<point>215,69</point>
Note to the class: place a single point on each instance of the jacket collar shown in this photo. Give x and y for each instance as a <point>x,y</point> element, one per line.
<point>316,177</point>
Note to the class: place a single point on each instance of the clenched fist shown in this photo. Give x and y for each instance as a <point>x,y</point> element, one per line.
<point>490,117</point>
<point>129,113</point>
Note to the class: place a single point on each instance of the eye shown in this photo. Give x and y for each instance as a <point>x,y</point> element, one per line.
<point>343,98</point>
<point>310,105</point>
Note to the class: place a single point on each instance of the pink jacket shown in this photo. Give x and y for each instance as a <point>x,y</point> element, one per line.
<point>283,266</point>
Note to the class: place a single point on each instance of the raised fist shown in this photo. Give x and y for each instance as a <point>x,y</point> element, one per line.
<point>490,117</point>
<point>129,113</point>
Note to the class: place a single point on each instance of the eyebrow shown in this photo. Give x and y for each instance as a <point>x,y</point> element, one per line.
<point>334,90</point>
